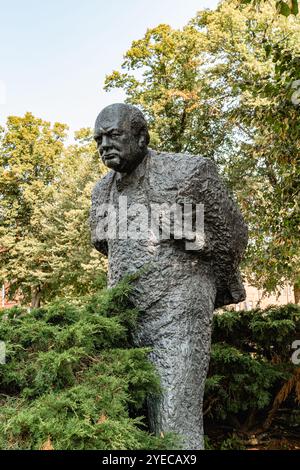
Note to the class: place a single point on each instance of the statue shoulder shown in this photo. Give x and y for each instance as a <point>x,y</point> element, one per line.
<point>202,167</point>
<point>185,164</point>
<point>182,159</point>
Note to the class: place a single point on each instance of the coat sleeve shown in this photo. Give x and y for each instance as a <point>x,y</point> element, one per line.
<point>225,232</point>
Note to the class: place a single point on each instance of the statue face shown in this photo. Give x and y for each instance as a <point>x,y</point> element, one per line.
<point>120,149</point>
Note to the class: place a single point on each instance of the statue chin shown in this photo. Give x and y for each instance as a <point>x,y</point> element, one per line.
<point>113,163</point>
<point>118,165</point>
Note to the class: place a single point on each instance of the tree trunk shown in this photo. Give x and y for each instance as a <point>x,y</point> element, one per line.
<point>36,295</point>
<point>297,293</point>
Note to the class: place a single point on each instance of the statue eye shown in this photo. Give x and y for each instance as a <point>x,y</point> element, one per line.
<point>115,134</point>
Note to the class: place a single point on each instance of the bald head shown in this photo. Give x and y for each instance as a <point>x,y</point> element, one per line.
<point>122,136</point>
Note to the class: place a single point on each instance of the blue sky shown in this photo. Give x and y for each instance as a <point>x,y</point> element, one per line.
<point>54,55</point>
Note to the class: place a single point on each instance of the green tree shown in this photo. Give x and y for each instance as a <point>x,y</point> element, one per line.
<point>172,89</point>
<point>257,56</point>
<point>71,266</point>
<point>74,378</point>
<point>284,7</point>
<point>238,111</point>
<point>30,149</point>
<point>45,197</point>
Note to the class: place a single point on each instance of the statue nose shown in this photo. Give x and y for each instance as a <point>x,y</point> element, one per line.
<point>105,142</point>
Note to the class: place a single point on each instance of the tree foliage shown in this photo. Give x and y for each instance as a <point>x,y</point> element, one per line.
<point>224,87</point>
<point>71,378</point>
<point>258,59</point>
<point>283,7</point>
<point>45,192</point>
<point>172,90</point>
<point>251,373</point>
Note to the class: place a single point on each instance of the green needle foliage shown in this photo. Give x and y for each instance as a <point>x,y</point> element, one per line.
<point>251,372</point>
<point>72,380</point>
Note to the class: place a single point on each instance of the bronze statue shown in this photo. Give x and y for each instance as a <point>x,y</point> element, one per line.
<point>185,279</point>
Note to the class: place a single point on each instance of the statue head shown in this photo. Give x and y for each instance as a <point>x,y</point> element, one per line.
<point>122,137</point>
